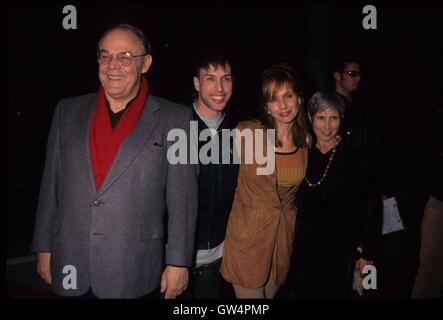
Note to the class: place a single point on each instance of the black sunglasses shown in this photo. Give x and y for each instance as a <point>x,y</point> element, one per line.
<point>353,73</point>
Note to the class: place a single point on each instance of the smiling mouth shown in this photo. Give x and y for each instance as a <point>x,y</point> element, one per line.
<point>218,99</point>
<point>114,77</point>
<point>285,114</point>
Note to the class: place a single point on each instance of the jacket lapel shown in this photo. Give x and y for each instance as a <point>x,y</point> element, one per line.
<point>83,132</point>
<point>133,143</point>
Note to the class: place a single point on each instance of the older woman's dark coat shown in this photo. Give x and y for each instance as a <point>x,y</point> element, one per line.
<point>329,223</point>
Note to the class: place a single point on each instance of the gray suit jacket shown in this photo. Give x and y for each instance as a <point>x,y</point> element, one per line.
<point>115,237</point>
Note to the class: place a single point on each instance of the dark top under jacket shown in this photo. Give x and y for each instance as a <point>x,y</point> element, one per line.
<point>329,223</point>
<point>216,188</point>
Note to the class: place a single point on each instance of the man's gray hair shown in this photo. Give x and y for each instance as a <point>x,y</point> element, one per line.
<point>145,45</point>
<point>321,100</point>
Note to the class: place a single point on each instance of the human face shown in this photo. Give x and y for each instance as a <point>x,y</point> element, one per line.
<point>214,86</point>
<point>121,83</point>
<point>282,106</point>
<point>350,82</point>
<point>326,124</point>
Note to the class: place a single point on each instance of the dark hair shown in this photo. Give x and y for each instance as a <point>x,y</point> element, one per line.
<point>339,65</point>
<point>215,56</point>
<point>145,45</point>
<point>321,100</point>
<point>272,79</point>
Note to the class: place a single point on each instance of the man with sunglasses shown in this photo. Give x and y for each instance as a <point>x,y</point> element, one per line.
<point>359,128</point>
<point>347,76</point>
<point>347,79</point>
<point>99,228</point>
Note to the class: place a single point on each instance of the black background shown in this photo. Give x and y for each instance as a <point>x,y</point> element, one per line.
<point>402,60</point>
<point>402,63</point>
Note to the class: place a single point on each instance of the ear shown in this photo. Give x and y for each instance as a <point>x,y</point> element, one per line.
<point>337,76</point>
<point>147,61</point>
<point>197,84</point>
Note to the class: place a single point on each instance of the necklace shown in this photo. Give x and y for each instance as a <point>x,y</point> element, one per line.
<point>323,176</point>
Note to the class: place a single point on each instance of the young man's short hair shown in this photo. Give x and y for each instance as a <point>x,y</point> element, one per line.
<point>214,56</point>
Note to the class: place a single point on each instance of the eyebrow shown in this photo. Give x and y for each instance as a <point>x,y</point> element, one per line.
<point>288,91</point>
<point>212,74</point>
<point>115,52</point>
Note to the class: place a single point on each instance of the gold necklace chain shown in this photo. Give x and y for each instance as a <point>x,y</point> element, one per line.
<point>319,182</point>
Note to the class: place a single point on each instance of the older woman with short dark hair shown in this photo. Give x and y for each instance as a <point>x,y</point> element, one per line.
<point>331,206</point>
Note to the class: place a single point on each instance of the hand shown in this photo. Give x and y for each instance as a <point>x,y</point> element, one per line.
<point>44,266</point>
<point>174,281</point>
<point>361,263</point>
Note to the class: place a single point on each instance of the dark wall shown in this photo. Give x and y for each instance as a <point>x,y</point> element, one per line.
<point>402,63</point>
<point>47,63</point>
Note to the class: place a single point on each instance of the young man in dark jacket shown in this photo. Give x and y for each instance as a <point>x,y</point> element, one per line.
<point>213,82</point>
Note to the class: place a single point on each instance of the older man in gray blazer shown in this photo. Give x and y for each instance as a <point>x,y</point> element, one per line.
<point>107,183</point>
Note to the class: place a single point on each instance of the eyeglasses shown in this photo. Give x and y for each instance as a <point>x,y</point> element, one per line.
<point>353,73</point>
<point>123,58</point>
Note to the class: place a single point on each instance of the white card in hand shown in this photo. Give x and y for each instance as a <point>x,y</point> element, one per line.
<point>391,217</point>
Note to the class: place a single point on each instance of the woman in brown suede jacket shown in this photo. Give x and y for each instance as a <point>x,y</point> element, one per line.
<point>260,230</point>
